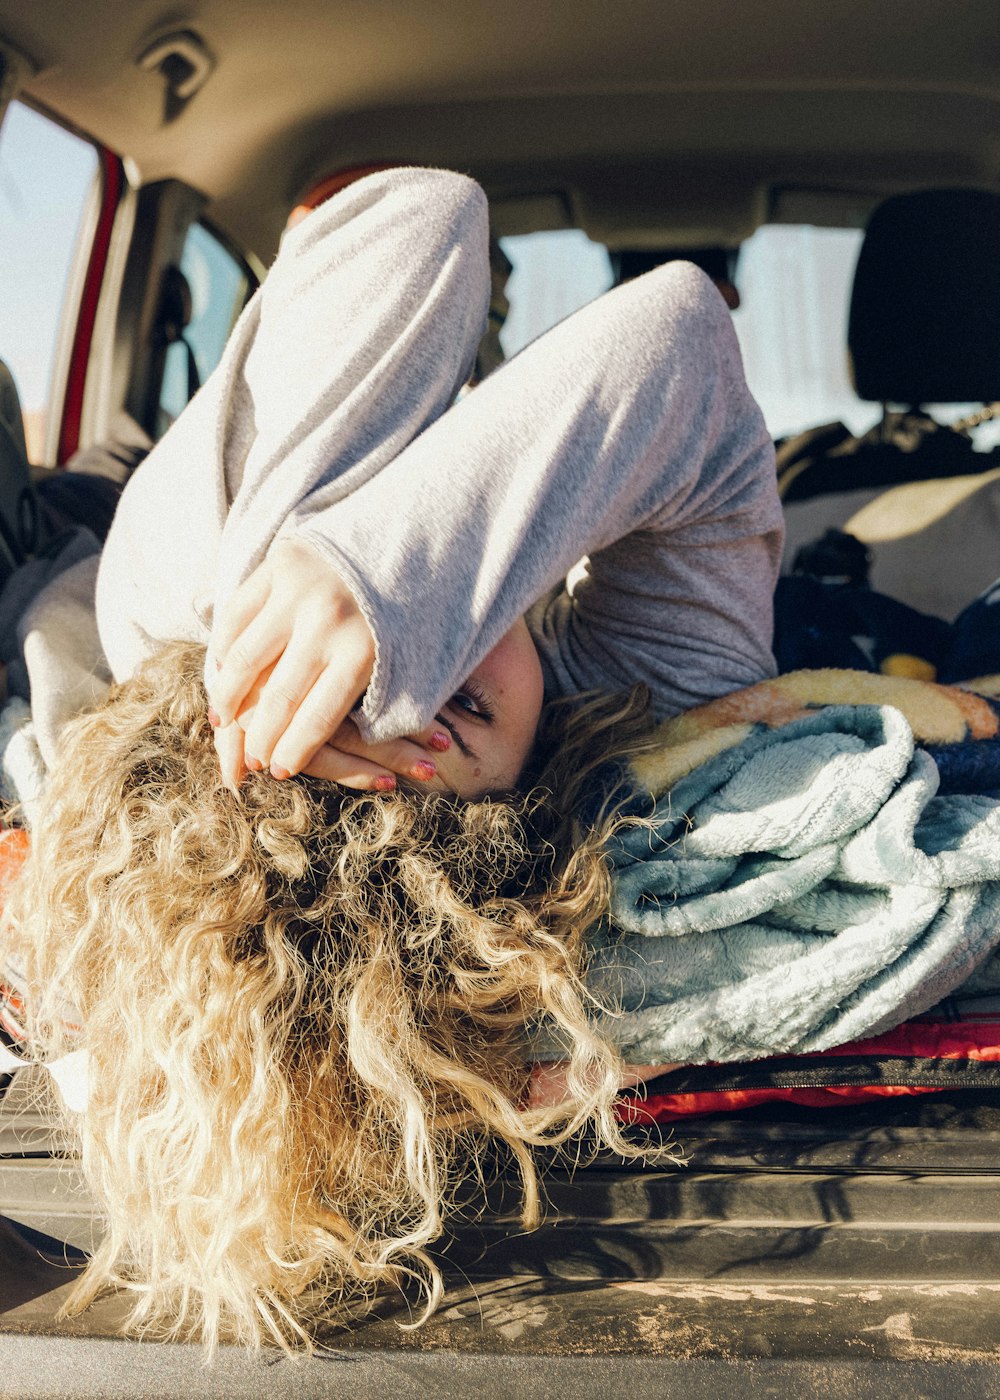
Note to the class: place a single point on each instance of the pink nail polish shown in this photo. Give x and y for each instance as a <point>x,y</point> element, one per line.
<point>280,773</point>
<point>439,741</point>
<point>254,764</point>
<point>213,718</point>
<point>424,770</point>
<point>384,783</point>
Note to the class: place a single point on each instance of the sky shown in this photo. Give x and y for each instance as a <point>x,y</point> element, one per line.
<point>46,176</point>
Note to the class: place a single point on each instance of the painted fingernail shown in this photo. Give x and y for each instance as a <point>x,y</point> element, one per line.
<point>254,764</point>
<point>280,773</point>
<point>213,718</point>
<point>383,783</point>
<point>423,769</point>
<point>439,741</point>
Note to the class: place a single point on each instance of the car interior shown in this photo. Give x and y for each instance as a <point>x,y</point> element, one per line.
<point>851,149</point>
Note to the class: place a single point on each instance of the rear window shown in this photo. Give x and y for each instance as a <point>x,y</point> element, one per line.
<point>795,284</point>
<point>554,274</point>
<point>795,290</point>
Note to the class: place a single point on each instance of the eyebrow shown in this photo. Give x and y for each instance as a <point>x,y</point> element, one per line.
<point>462,746</point>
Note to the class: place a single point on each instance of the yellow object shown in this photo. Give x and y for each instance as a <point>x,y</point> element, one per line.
<point>901,663</point>
<point>937,714</point>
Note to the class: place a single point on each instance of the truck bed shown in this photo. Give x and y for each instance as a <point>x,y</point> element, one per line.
<point>851,1251</point>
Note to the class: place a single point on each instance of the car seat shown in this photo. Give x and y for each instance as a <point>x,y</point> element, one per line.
<point>924,328</point>
<point>18,504</point>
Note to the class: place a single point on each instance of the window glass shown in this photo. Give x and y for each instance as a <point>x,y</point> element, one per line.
<point>795,289</point>
<point>795,284</point>
<point>48,176</point>
<point>554,274</point>
<point>219,284</point>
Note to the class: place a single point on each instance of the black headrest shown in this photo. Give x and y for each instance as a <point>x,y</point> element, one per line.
<point>925,310</point>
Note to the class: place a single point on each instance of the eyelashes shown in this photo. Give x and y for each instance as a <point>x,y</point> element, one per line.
<point>472,700</point>
<point>469,702</point>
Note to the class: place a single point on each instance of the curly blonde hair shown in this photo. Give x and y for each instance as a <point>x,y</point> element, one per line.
<point>305,1009</point>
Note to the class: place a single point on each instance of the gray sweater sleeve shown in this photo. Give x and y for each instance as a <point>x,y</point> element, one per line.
<point>626,434</point>
<point>361,335</point>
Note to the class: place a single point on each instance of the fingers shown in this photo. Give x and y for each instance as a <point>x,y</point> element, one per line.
<point>407,758</point>
<point>253,652</point>
<point>355,771</point>
<point>349,770</point>
<point>347,759</point>
<point>294,643</point>
<point>229,747</point>
<point>338,766</point>
<point>273,701</point>
<point>335,765</point>
<point>238,613</point>
<point>289,726</point>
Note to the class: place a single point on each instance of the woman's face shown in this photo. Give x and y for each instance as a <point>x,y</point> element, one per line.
<point>492,719</point>
<point>478,742</point>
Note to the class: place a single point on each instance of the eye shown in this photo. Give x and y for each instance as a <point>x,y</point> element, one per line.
<point>472,700</point>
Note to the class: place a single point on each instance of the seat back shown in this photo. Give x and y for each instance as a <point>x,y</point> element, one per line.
<point>18,505</point>
<point>924,328</point>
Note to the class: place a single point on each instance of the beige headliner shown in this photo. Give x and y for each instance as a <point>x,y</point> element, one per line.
<point>652,119</point>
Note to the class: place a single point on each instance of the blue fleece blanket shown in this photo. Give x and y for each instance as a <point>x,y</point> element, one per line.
<point>805,886</point>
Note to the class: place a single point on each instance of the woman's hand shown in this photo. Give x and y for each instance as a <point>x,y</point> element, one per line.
<point>346,759</point>
<point>548,1085</point>
<point>294,656</point>
<point>349,760</point>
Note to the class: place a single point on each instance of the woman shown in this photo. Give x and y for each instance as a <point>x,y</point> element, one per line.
<point>305,1011</point>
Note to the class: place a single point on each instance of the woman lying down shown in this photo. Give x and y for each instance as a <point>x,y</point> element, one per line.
<point>318,863</point>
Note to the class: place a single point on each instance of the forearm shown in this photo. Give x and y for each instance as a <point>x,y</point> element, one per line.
<point>631,416</point>
<point>360,336</point>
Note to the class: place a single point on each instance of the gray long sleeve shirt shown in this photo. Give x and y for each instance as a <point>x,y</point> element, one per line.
<point>627,435</point>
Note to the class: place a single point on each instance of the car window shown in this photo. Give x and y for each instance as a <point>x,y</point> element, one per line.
<point>795,285</point>
<point>48,188</point>
<point>219,283</point>
<point>554,274</point>
<point>795,290</point>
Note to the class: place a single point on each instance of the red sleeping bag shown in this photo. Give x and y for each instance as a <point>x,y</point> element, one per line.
<point>956,1046</point>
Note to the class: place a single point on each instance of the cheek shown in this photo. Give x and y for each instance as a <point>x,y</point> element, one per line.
<point>518,682</point>
<point>529,679</point>
<point>525,708</point>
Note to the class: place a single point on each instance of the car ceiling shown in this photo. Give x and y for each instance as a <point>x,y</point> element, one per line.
<point>646,121</point>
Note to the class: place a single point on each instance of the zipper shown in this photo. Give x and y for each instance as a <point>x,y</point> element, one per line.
<point>842,1072</point>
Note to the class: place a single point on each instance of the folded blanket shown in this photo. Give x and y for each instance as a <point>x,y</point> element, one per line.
<point>800,881</point>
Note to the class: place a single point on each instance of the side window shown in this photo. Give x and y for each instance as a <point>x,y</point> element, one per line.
<point>48,190</point>
<point>219,284</point>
